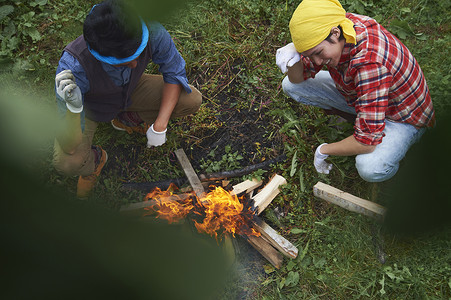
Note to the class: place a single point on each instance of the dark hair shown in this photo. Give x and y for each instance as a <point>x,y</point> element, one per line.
<point>111,29</point>
<point>341,37</point>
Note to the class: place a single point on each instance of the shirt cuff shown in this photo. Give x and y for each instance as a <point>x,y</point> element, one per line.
<point>178,80</point>
<point>369,138</point>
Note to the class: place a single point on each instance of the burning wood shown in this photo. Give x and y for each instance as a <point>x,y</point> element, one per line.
<point>135,209</point>
<point>220,213</point>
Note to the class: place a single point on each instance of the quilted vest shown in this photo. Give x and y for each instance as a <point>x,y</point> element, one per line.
<point>105,100</point>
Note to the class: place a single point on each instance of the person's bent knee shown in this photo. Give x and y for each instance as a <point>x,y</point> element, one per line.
<point>69,165</point>
<point>196,99</point>
<point>288,87</point>
<point>188,103</point>
<point>299,92</point>
<point>372,170</point>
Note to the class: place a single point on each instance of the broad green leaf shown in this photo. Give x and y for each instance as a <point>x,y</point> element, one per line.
<point>9,30</point>
<point>320,262</point>
<point>292,278</point>
<point>401,29</point>
<point>13,43</point>
<point>291,264</point>
<point>5,10</point>
<point>33,33</point>
<point>38,2</point>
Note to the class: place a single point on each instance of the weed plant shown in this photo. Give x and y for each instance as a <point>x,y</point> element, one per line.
<point>229,44</point>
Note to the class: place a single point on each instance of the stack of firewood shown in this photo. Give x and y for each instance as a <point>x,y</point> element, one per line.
<point>269,244</point>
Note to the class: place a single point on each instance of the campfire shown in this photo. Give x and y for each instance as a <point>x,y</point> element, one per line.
<point>220,212</point>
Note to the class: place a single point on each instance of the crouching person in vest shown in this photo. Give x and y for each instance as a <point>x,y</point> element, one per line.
<point>100,78</point>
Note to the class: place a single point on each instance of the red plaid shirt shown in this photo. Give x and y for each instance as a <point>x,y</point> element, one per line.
<point>381,79</point>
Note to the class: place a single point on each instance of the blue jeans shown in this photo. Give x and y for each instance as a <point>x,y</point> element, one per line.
<point>379,165</point>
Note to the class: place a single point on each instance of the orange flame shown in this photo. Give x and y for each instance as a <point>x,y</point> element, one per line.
<point>222,212</point>
<point>168,205</point>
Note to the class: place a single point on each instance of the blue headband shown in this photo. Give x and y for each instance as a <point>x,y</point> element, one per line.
<point>117,61</point>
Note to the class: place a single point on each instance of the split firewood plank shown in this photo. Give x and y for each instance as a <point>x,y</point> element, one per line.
<point>275,239</point>
<point>247,185</point>
<point>266,250</point>
<point>268,193</point>
<point>348,201</point>
<point>190,173</point>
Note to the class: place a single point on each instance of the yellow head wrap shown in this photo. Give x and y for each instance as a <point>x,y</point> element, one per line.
<point>312,21</point>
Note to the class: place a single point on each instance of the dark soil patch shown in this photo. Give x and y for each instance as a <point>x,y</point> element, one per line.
<point>245,128</point>
<point>244,131</point>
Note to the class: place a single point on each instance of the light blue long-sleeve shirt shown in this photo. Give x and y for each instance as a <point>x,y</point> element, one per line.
<point>164,53</point>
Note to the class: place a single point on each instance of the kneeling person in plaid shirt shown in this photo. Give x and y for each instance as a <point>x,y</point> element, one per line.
<point>371,76</point>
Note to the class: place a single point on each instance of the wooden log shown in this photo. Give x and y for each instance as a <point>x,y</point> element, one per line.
<point>189,172</point>
<point>268,193</point>
<point>247,185</point>
<point>263,246</point>
<point>266,250</point>
<point>348,201</point>
<point>275,239</point>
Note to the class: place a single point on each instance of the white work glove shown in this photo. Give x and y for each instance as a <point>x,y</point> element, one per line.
<point>155,138</point>
<point>287,56</point>
<point>68,90</point>
<point>320,163</point>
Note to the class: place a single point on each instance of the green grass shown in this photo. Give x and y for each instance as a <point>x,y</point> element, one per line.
<point>235,41</point>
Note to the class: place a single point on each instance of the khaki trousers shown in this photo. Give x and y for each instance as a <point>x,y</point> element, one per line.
<point>146,100</point>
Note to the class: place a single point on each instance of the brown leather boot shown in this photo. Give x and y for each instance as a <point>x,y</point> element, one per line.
<point>130,122</point>
<point>86,183</point>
